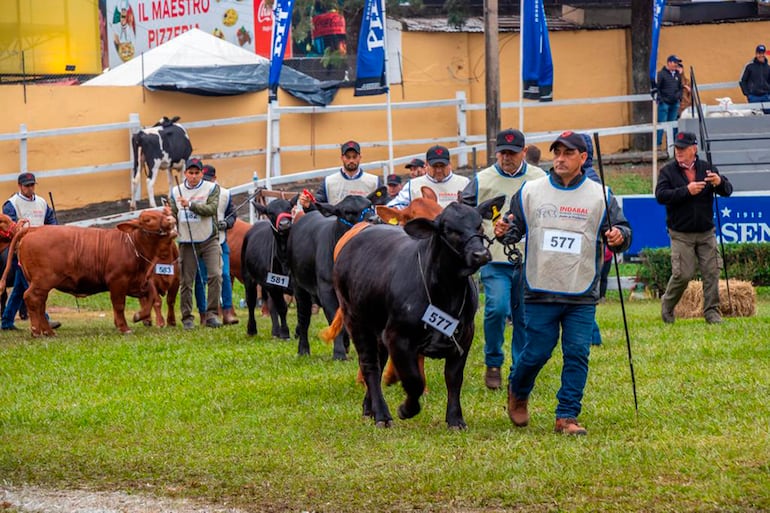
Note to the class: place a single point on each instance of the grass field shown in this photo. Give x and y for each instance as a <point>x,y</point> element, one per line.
<point>215,416</point>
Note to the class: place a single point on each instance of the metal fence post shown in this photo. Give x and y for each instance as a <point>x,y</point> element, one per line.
<point>23,148</point>
<point>136,190</point>
<point>462,128</point>
<point>275,151</point>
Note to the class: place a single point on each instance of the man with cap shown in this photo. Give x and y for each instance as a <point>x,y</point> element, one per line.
<point>394,186</point>
<point>755,79</point>
<point>668,92</point>
<point>503,287</point>
<point>25,204</point>
<point>686,186</point>
<point>350,180</point>
<point>225,220</point>
<point>416,168</point>
<point>439,177</point>
<point>566,222</point>
<point>194,204</point>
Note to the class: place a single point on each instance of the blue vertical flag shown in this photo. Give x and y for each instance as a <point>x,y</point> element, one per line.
<point>657,19</point>
<point>537,67</point>
<point>281,26</point>
<point>370,63</point>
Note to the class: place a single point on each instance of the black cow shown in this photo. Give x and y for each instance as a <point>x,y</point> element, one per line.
<point>265,262</point>
<point>165,145</point>
<point>389,279</point>
<point>311,249</point>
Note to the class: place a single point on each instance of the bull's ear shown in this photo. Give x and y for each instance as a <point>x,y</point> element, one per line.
<point>379,196</point>
<point>327,209</point>
<point>294,200</point>
<point>429,193</point>
<point>259,207</point>
<point>491,208</point>
<point>390,215</point>
<point>421,228</point>
<point>128,226</point>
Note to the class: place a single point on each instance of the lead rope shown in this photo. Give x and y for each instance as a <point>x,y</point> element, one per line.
<point>430,302</point>
<point>136,251</point>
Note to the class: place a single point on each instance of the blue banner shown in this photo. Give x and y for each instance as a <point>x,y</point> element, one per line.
<point>370,63</point>
<point>744,218</point>
<point>657,19</point>
<point>281,26</point>
<point>537,66</point>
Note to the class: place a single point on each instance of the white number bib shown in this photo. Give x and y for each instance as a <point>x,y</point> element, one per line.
<point>439,320</point>
<point>279,280</point>
<point>188,216</point>
<point>562,241</point>
<point>164,269</point>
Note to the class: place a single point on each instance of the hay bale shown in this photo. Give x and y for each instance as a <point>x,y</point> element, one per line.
<point>743,299</point>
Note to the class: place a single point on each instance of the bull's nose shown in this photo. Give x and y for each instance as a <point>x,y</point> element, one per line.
<point>284,225</point>
<point>481,257</point>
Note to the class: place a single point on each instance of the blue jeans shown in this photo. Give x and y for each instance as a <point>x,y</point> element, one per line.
<point>17,296</point>
<point>753,98</point>
<point>227,285</point>
<point>667,112</point>
<point>544,321</point>
<point>503,292</point>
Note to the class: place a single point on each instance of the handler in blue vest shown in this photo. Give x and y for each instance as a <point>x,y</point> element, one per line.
<point>567,224</point>
<point>502,280</point>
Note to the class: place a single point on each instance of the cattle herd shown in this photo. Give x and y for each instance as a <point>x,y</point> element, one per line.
<point>396,282</point>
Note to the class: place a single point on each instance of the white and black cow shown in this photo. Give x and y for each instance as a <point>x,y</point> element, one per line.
<point>165,145</point>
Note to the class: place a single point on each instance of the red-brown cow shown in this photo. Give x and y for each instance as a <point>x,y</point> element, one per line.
<point>91,260</point>
<point>162,280</point>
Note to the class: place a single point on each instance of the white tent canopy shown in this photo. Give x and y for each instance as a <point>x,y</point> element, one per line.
<point>194,48</point>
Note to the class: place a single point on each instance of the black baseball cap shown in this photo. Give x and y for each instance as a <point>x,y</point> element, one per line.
<point>415,163</point>
<point>27,179</point>
<point>511,140</point>
<point>351,145</point>
<point>674,58</point>
<point>571,140</point>
<point>437,155</point>
<point>394,180</point>
<point>194,162</point>
<point>685,139</point>
<point>760,48</point>
<point>209,173</point>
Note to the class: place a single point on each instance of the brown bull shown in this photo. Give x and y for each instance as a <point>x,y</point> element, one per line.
<point>86,261</point>
<point>235,237</point>
<point>162,280</point>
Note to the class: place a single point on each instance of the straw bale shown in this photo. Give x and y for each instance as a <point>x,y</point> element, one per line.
<point>743,299</point>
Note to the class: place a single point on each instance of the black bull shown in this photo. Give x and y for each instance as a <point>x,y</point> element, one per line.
<point>385,279</point>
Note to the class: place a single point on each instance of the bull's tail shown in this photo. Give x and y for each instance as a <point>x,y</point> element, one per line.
<point>335,328</point>
<point>139,156</point>
<point>20,229</point>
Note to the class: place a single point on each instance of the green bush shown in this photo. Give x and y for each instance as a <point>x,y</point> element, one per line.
<point>748,262</point>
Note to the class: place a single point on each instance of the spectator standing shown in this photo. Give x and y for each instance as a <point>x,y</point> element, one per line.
<point>502,280</point>
<point>755,79</point>
<point>439,177</point>
<point>194,204</point>
<point>394,186</point>
<point>566,223</point>
<point>25,204</point>
<point>532,155</point>
<point>686,187</point>
<point>669,92</point>
<point>416,168</point>
<point>351,179</point>
<point>225,220</point>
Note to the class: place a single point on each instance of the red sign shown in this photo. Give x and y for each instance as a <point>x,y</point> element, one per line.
<point>328,24</point>
<point>263,29</point>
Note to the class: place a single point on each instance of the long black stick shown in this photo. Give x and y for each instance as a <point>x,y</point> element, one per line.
<point>53,207</point>
<point>704,137</point>
<point>617,271</point>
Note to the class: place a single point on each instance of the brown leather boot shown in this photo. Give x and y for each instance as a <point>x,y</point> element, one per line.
<point>517,409</point>
<point>492,378</point>
<point>569,426</point>
<point>228,316</point>
<point>203,318</point>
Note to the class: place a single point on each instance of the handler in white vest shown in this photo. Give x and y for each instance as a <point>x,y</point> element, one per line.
<point>566,223</point>
<point>502,280</point>
<point>439,177</point>
<point>194,204</point>
<point>350,180</point>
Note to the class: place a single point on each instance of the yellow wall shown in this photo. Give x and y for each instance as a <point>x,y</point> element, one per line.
<point>435,66</point>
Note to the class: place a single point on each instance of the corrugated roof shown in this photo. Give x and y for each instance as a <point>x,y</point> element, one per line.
<point>476,24</point>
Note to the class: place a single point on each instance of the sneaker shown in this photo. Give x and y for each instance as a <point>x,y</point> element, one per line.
<point>667,315</point>
<point>492,378</point>
<point>569,426</point>
<point>714,318</point>
<point>54,324</point>
<point>213,322</point>
<point>188,324</point>
<point>517,409</point>
<point>10,328</point>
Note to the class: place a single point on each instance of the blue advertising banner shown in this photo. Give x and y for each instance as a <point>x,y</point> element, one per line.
<point>744,218</point>
<point>657,19</point>
<point>282,24</point>
<point>537,66</point>
<point>370,62</point>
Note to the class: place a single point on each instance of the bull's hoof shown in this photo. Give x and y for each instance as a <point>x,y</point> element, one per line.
<point>405,413</point>
<point>303,351</point>
<point>383,424</point>
<point>459,426</point>
<point>148,322</point>
<point>340,357</point>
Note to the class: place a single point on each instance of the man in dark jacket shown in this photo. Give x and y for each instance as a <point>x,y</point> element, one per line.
<point>755,80</point>
<point>686,187</point>
<point>669,92</point>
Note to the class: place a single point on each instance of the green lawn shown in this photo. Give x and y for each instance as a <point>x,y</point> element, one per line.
<point>238,421</point>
